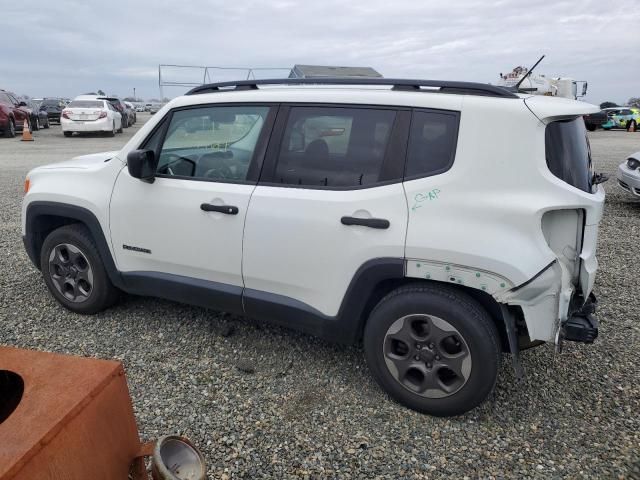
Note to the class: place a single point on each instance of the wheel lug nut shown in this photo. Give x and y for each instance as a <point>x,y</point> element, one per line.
<point>431,345</point>
<point>429,365</point>
<point>437,357</point>
<point>417,357</point>
<point>418,346</point>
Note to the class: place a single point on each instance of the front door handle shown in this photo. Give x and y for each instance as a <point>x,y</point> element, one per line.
<point>226,209</point>
<point>379,223</point>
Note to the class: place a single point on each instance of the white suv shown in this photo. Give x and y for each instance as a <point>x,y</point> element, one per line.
<point>389,211</point>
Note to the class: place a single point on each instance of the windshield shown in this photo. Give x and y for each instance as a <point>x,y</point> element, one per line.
<point>85,104</point>
<point>569,153</point>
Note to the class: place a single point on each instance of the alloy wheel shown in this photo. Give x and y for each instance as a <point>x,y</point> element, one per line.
<point>71,272</point>
<point>427,355</point>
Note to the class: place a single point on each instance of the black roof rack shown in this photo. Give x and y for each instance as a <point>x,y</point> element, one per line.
<point>438,86</point>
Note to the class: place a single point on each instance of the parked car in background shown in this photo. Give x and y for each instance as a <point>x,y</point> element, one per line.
<point>38,118</point>
<point>120,107</point>
<point>629,174</point>
<point>131,113</point>
<point>154,108</point>
<point>91,115</point>
<point>53,107</point>
<point>13,113</point>
<point>623,117</point>
<point>595,120</point>
<point>139,108</point>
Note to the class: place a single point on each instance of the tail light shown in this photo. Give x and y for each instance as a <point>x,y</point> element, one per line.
<point>65,114</point>
<point>101,113</point>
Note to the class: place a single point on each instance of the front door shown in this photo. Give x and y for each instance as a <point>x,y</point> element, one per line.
<point>330,199</point>
<point>187,226</point>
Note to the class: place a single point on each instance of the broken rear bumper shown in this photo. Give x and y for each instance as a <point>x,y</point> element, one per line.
<point>582,325</point>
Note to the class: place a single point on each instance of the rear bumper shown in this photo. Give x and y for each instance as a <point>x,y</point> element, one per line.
<point>102,125</point>
<point>582,325</point>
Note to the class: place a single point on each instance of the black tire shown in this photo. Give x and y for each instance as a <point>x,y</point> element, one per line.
<point>125,121</point>
<point>591,127</point>
<point>67,134</point>
<point>10,131</point>
<point>46,125</point>
<point>35,125</point>
<point>102,293</point>
<point>480,344</point>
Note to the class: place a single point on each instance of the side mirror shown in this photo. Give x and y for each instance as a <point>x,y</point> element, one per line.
<point>142,164</point>
<point>584,88</point>
<point>22,104</point>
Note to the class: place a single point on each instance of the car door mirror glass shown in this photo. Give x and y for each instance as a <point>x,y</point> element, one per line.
<point>142,164</point>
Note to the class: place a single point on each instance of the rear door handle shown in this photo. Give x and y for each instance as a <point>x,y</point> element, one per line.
<point>226,209</point>
<point>379,223</point>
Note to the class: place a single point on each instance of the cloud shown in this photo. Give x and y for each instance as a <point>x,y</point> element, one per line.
<point>74,46</point>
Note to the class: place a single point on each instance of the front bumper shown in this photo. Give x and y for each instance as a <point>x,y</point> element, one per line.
<point>101,125</point>
<point>628,180</point>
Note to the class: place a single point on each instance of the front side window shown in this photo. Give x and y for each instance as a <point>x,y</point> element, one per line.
<point>212,143</point>
<point>432,143</point>
<point>568,152</point>
<point>334,147</point>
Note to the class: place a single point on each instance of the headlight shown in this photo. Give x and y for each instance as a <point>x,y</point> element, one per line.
<point>633,164</point>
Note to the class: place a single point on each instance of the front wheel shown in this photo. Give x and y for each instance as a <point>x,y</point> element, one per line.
<point>591,127</point>
<point>433,349</point>
<point>67,134</point>
<point>10,130</point>
<point>73,271</point>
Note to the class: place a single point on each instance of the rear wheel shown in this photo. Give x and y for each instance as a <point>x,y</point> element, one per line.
<point>67,134</point>
<point>73,271</point>
<point>35,124</point>
<point>591,127</point>
<point>433,349</point>
<point>10,131</point>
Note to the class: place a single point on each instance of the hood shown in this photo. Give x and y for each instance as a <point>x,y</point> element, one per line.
<point>84,161</point>
<point>555,108</point>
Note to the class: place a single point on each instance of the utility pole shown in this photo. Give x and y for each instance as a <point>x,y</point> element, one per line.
<point>134,94</point>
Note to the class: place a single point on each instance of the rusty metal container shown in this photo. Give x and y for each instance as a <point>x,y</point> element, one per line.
<point>72,420</point>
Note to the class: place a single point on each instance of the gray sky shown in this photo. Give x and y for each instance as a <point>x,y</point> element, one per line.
<point>68,47</point>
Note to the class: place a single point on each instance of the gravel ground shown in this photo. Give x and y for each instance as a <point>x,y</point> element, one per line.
<point>264,402</point>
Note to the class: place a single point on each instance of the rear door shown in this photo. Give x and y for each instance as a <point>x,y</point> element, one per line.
<point>330,199</point>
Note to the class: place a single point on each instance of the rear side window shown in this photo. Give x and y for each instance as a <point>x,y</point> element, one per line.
<point>569,153</point>
<point>334,146</point>
<point>432,143</point>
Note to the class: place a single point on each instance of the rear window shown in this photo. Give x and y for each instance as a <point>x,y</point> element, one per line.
<point>50,102</point>
<point>569,153</point>
<point>85,104</point>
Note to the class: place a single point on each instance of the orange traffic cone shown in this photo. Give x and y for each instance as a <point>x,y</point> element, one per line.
<point>26,133</point>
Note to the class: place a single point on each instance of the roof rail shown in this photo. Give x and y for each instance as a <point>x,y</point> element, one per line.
<point>438,86</point>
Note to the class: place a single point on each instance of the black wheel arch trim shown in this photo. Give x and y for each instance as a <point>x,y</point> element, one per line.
<point>38,222</point>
